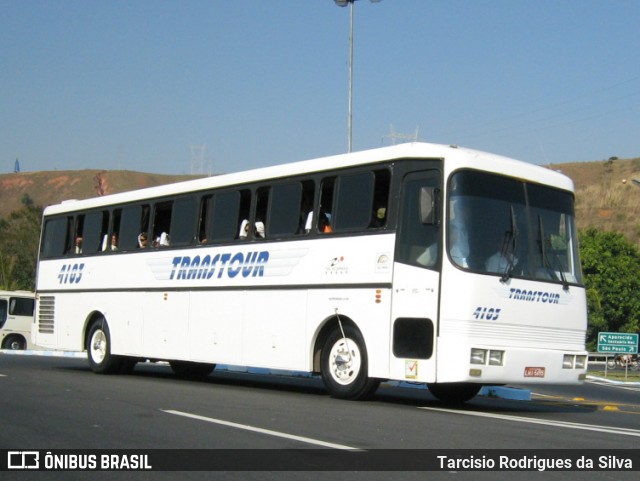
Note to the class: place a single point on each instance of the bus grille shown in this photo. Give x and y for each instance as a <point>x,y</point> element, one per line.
<point>46,317</point>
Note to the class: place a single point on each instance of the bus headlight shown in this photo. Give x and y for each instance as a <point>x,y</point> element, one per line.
<point>478,356</point>
<point>496,358</point>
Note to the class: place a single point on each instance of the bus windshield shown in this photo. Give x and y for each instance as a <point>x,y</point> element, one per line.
<point>511,228</point>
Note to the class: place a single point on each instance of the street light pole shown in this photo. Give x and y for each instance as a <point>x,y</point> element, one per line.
<point>350,109</point>
<point>344,3</point>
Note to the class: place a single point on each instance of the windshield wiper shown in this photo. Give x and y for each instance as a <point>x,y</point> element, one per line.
<point>510,244</point>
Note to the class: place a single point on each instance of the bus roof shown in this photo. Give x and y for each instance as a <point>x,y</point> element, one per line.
<point>456,158</point>
<point>18,293</point>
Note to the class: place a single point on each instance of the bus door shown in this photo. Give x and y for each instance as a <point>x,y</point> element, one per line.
<point>416,279</point>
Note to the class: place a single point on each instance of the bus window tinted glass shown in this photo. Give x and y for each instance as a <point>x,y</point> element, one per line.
<point>55,239</point>
<point>94,232</point>
<point>325,221</point>
<point>513,228</point>
<point>21,306</point>
<point>284,214</point>
<point>162,224</point>
<point>262,206</point>
<point>354,201</point>
<point>226,208</point>
<point>418,242</point>
<point>131,227</point>
<point>183,221</point>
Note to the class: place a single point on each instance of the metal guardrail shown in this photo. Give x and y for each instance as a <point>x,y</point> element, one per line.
<point>599,358</point>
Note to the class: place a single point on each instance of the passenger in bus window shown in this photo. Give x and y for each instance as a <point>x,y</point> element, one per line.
<point>142,240</point>
<point>260,229</point>
<point>308,222</point>
<point>78,248</point>
<point>244,229</point>
<point>324,224</point>
<point>114,242</point>
<point>379,217</point>
<point>163,240</point>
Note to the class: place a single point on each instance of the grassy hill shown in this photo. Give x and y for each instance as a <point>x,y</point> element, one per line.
<point>606,197</point>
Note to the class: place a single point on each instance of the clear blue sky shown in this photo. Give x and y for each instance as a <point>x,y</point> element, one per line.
<point>133,84</point>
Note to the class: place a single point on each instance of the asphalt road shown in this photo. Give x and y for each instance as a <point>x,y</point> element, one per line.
<point>58,403</point>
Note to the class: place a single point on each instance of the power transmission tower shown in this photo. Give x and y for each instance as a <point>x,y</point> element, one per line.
<point>197,159</point>
<point>398,138</point>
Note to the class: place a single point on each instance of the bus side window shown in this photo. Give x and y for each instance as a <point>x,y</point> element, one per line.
<point>354,201</point>
<point>262,204</point>
<point>161,224</point>
<point>325,215</point>
<point>21,306</point>
<point>133,223</point>
<point>229,211</point>
<point>204,219</point>
<point>55,238</point>
<point>183,221</point>
<point>3,312</point>
<point>306,206</point>
<point>78,235</point>
<point>114,244</point>
<point>418,242</point>
<point>94,232</point>
<point>285,210</point>
<point>380,198</point>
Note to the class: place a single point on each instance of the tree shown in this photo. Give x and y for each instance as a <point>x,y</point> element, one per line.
<point>610,265</point>
<point>19,237</point>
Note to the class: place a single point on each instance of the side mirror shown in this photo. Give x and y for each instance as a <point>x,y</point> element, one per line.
<point>429,205</point>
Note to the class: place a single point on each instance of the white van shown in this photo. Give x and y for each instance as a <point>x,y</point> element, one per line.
<point>16,319</point>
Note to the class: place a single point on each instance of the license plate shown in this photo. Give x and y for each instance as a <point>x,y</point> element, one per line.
<point>534,372</point>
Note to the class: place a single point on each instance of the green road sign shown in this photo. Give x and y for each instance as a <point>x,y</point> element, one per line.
<point>618,342</point>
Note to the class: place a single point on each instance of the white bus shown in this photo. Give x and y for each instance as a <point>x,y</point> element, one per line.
<point>16,319</point>
<point>419,262</point>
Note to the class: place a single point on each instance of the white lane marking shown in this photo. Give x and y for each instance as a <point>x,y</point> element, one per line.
<point>561,424</point>
<point>269,432</point>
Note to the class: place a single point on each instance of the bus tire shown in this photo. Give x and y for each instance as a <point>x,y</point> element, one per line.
<point>191,370</point>
<point>98,346</point>
<point>344,365</point>
<point>454,392</point>
<point>14,342</point>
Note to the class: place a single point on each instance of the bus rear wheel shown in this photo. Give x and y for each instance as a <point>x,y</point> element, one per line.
<point>98,346</point>
<point>345,367</point>
<point>454,392</point>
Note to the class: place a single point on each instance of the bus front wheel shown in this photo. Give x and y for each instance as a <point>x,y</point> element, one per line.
<point>344,365</point>
<point>454,392</point>
<point>101,360</point>
<point>14,343</point>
